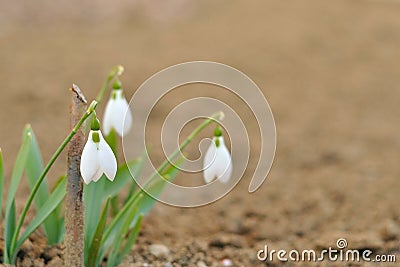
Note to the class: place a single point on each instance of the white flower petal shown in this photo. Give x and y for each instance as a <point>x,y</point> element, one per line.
<point>98,175</point>
<point>89,161</point>
<point>117,114</point>
<point>217,162</point>
<point>127,118</point>
<point>224,163</point>
<point>209,172</point>
<point>123,120</point>
<point>107,160</point>
<point>110,115</point>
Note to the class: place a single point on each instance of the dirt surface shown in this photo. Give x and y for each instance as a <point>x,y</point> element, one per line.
<point>329,69</point>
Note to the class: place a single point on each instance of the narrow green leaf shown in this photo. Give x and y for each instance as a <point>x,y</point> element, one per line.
<point>111,231</point>
<point>112,141</point>
<point>1,183</point>
<point>114,205</point>
<point>155,187</point>
<point>18,169</point>
<point>152,192</point>
<point>33,169</point>
<point>93,199</point>
<point>48,207</point>
<point>121,233</point>
<point>59,214</point>
<point>9,230</point>
<point>91,256</point>
<point>130,241</point>
<point>135,173</point>
<point>123,176</point>
<point>61,228</point>
<point>10,219</point>
<point>131,191</point>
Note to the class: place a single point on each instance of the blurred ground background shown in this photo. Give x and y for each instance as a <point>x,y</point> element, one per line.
<point>329,69</point>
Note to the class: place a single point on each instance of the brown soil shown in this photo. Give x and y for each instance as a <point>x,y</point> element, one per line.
<point>330,71</point>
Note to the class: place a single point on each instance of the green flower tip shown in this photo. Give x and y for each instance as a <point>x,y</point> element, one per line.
<point>95,124</point>
<point>217,142</point>
<point>117,85</point>
<point>114,94</point>
<point>96,137</point>
<point>218,131</point>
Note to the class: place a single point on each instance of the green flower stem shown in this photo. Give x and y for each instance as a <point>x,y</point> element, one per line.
<point>187,141</point>
<point>89,111</point>
<point>114,73</point>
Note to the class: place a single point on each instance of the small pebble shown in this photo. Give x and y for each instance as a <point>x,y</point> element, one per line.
<point>227,262</point>
<point>390,231</point>
<point>201,264</point>
<point>168,264</point>
<point>159,250</point>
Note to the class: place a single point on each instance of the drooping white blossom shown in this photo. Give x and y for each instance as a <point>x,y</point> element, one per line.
<point>117,114</point>
<point>217,161</point>
<point>97,158</point>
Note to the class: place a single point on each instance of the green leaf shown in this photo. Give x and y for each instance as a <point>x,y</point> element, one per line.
<point>135,173</point>
<point>123,176</point>
<point>112,141</point>
<point>18,169</point>
<point>48,207</point>
<point>9,230</point>
<point>1,183</point>
<point>93,199</point>
<point>59,214</point>
<point>95,193</point>
<point>130,241</point>
<point>155,187</point>
<point>10,219</point>
<point>61,227</point>
<point>33,169</point>
<point>111,231</point>
<point>114,205</point>
<point>130,192</point>
<point>91,257</point>
<point>122,232</point>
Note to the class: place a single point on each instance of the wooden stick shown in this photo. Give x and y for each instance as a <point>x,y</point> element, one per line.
<point>74,216</point>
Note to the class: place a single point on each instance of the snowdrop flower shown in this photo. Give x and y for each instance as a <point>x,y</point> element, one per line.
<point>217,161</point>
<point>97,157</point>
<point>117,114</point>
